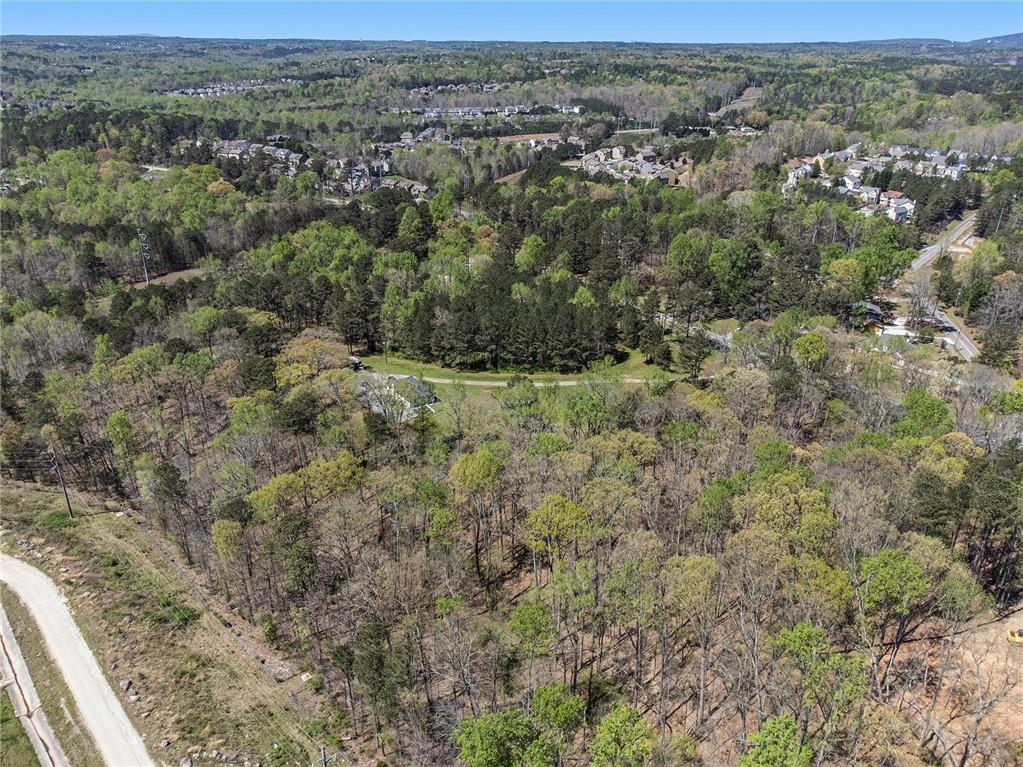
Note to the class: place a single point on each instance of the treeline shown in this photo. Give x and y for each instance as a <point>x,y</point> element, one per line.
<point>785,558</point>
<point>938,200</point>
<point>543,277</point>
<point>988,284</point>
<point>778,559</point>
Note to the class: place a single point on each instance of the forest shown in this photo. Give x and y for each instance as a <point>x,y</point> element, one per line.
<point>703,518</point>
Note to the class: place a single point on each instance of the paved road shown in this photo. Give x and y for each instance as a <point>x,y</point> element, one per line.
<point>931,253</point>
<point>117,739</point>
<point>25,700</point>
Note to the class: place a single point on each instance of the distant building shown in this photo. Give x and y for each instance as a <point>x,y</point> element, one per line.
<point>398,398</point>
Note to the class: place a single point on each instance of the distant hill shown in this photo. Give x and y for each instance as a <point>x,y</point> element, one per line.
<point>906,45</point>
<point>1002,41</point>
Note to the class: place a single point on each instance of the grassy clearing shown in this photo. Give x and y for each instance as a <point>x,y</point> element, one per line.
<point>632,366</point>
<point>198,685</point>
<point>60,708</point>
<point>15,748</point>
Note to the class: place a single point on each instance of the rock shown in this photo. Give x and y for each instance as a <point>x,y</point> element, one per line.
<point>134,697</point>
<point>186,761</point>
<point>164,743</point>
<point>125,684</point>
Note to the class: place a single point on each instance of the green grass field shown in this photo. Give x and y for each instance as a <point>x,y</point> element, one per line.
<point>15,749</point>
<point>631,367</point>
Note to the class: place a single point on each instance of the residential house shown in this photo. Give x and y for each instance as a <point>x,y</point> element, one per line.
<point>668,177</point>
<point>891,198</point>
<point>900,213</point>
<point>398,398</point>
<point>869,194</point>
<point>857,169</point>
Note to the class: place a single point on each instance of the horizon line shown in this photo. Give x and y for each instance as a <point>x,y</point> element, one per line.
<point>509,41</point>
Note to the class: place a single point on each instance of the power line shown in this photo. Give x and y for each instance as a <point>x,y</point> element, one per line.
<point>223,643</point>
<point>179,622</point>
<point>48,461</point>
<point>144,251</point>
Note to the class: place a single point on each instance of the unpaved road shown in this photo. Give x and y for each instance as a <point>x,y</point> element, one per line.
<point>504,384</point>
<point>25,699</point>
<point>117,739</point>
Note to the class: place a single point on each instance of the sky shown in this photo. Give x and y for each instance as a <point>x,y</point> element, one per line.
<point>575,20</point>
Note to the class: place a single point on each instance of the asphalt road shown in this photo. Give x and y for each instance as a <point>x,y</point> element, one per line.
<point>117,739</point>
<point>928,256</point>
<point>931,253</point>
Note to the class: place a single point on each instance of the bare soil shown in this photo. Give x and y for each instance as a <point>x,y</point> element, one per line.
<point>520,137</point>
<point>205,681</point>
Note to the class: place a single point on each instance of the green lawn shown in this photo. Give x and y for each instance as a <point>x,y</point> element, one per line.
<point>632,367</point>
<point>15,748</point>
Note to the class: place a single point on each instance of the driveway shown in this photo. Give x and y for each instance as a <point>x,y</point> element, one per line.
<point>116,738</point>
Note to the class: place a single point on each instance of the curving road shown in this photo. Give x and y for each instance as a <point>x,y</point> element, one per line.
<point>931,253</point>
<point>504,384</point>
<point>928,256</point>
<point>117,739</point>
<point>25,699</point>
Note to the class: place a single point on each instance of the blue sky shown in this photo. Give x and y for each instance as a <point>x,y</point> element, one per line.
<point>709,22</point>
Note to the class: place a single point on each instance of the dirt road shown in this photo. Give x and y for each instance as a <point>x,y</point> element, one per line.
<point>25,699</point>
<point>117,739</point>
<point>504,384</point>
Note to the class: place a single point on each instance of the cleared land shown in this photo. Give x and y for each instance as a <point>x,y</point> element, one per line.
<point>746,100</point>
<point>118,741</point>
<point>520,137</point>
<point>633,368</point>
<point>202,680</point>
<point>512,178</point>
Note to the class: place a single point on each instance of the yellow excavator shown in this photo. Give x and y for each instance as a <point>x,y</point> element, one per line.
<point>1016,636</point>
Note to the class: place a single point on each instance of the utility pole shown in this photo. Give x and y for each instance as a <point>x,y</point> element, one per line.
<point>63,485</point>
<point>143,250</point>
